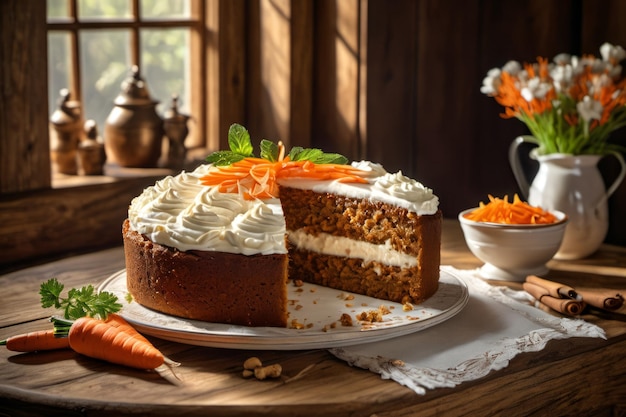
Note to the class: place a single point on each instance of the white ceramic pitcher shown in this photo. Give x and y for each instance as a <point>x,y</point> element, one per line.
<point>571,184</point>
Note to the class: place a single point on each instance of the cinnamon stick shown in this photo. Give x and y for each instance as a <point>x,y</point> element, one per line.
<point>603,298</point>
<point>556,289</point>
<point>562,305</point>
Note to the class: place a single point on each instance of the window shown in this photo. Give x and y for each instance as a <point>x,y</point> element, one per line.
<point>92,46</point>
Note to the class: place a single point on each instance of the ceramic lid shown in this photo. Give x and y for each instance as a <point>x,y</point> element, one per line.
<point>172,115</point>
<point>67,112</point>
<point>134,91</point>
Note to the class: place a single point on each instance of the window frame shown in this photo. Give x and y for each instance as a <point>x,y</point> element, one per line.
<point>197,25</point>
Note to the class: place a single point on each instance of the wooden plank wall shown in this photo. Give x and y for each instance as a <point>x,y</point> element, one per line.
<point>24,149</point>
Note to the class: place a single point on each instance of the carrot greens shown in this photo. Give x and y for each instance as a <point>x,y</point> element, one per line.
<point>79,302</point>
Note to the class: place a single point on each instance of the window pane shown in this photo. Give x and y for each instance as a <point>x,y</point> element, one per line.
<point>105,63</point>
<point>104,10</point>
<point>165,65</point>
<point>168,9</point>
<point>59,66</point>
<point>58,10</point>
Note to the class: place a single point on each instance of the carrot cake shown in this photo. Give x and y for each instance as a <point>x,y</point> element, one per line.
<point>220,243</point>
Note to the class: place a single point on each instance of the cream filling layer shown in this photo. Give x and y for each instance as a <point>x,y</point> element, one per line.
<point>341,246</point>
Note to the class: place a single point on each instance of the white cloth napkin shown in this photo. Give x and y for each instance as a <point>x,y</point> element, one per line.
<point>496,325</point>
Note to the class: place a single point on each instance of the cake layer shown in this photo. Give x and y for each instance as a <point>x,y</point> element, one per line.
<point>374,279</point>
<point>207,285</point>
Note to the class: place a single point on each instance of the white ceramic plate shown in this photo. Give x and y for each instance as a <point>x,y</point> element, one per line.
<point>317,308</point>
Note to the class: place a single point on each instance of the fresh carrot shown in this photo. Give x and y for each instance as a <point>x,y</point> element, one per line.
<point>36,341</point>
<point>121,324</point>
<point>101,340</point>
<point>518,212</point>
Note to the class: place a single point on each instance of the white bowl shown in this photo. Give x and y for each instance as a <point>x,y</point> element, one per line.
<point>511,252</point>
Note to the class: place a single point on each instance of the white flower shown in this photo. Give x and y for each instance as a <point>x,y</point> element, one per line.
<point>512,67</point>
<point>599,82</point>
<point>562,75</point>
<point>589,109</point>
<point>614,71</point>
<point>578,66</point>
<point>563,59</point>
<point>535,89</point>
<point>611,53</point>
<point>491,82</point>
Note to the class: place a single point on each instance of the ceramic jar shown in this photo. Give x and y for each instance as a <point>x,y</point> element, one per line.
<point>91,152</point>
<point>574,185</point>
<point>65,134</point>
<point>176,130</point>
<point>133,131</point>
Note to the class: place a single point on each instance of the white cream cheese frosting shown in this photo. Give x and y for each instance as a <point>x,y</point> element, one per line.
<point>180,212</point>
<point>350,248</point>
<point>395,189</point>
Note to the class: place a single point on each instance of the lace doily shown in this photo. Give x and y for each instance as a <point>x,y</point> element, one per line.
<point>496,325</point>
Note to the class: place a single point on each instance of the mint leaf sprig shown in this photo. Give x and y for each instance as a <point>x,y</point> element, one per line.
<point>316,156</point>
<point>241,147</point>
<point>79,302</point>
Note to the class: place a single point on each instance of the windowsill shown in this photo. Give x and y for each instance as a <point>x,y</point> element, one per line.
<point>113,173</point>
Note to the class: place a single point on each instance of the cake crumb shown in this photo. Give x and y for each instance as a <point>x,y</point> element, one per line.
<point>330,326</point>
<point>297,283</point>
<point>374,316</point>
<point>384,309</point>
<point>407,306</point>
<point>295,324</point>
<point>346,320</point>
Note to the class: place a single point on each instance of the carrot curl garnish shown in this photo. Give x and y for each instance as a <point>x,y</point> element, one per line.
<point>238,171</point>
<point>257,178</point>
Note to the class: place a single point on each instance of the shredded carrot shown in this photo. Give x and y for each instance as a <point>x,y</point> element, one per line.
<point>101,340</point>
<point>518,212</point>
<point>36,341</point>
<point>257,178</point>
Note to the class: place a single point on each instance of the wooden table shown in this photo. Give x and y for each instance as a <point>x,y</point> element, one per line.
<point>583,376</point>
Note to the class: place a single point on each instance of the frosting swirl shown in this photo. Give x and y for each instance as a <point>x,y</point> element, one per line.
<point>406,189</point>
<point>182,213</point>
